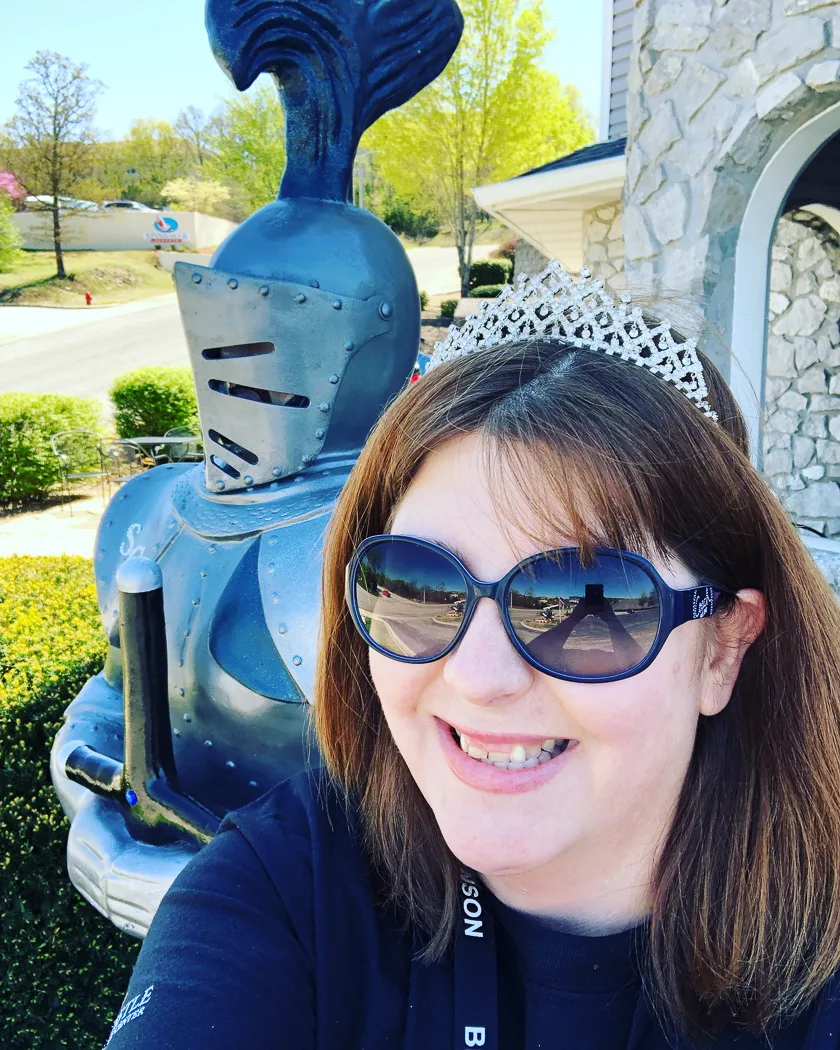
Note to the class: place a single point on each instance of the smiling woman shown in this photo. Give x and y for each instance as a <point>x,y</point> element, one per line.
<point>580,805</point>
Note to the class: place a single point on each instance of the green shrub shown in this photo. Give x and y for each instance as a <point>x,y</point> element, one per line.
<point>404,218</point>
<point>10,240</point>
<point>27,421</point>
<point>424,300</point>
<point>490,271</point>
<point>150,401</point>
<point>448,307</point>
<point>486,291</point>
<point>65,968</point>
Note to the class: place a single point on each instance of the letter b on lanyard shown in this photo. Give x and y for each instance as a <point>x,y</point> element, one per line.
<point>476,1009</point>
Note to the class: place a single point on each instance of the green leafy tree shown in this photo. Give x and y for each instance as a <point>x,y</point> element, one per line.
<point>493,113</point>
<point>9,235</point>
<point>48,143</point>
<point>248,145</point>
<point>152,154</point>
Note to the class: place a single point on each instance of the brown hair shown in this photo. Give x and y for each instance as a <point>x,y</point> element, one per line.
<point>745,922</point>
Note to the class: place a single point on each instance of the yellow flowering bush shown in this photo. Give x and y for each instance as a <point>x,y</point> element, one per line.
<point>63,967</point>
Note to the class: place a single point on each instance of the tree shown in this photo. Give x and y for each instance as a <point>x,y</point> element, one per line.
<point>191,194</point>
<point>152,154</point>
<point>248,145</point>
<point>493,113</point>
<point>48,142</point>
<point>196,130</point>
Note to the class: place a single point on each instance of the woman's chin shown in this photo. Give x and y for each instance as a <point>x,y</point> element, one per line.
<point>497,855</point>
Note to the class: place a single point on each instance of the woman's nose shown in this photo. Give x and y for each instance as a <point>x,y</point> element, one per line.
<point>484,667</point>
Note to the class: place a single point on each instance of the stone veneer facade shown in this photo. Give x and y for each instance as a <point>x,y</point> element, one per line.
<point>715,88</point>
<point>603,243</point>
<point>802,386</point>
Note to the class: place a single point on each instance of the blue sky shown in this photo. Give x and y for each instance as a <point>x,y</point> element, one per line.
<point>154,58</point>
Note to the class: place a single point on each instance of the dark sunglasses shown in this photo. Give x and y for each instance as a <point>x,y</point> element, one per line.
<point>412,600</point>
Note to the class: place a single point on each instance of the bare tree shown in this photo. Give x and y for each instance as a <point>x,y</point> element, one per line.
<point>196,129</point>
<point>48,142</point>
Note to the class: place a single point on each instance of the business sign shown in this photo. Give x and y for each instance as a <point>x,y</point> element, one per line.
<point>167,232</point>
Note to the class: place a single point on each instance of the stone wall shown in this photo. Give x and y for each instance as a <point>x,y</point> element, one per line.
<point>715,88</point>
<point>528,259</point>
<point>802,386</point>
<point>603,243</point>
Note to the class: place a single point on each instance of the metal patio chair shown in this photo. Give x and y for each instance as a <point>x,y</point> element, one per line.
<point>188,451</point>
<point>81,457</point>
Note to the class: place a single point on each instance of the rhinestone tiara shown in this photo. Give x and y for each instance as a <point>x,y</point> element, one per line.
<point>581,313</point>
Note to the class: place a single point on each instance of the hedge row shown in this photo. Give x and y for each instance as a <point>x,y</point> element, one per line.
<point>63,967</point>
<point>147,401</point>
<point>27,421</point>
<point>151,401</point>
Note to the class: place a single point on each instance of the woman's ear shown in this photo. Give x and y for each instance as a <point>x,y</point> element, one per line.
<point>734,631</point>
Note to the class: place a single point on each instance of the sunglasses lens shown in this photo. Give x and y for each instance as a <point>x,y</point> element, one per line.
<point>411,599</point>
<point>589,622</point>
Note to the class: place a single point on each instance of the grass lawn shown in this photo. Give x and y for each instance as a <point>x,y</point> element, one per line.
<point>489,233</point>
<point>110,277</point>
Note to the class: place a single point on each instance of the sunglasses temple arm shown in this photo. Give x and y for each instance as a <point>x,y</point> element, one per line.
<point>695,603</point>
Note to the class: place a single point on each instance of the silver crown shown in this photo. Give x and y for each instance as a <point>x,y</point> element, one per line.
<point>581,313</point>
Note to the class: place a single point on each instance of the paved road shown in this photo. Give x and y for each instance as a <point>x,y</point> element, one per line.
<point>45,350</point>
<point>85,358</point>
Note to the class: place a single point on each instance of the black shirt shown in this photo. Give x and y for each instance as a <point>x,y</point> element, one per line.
<point>272,939</point>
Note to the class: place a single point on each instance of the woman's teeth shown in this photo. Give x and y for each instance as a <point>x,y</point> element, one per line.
<point>520,756</point>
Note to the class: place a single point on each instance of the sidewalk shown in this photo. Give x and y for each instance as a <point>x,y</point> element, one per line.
<point>23,322</point>
<point>52,531</point>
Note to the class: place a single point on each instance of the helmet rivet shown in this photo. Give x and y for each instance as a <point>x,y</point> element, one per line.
<point>282,628</point>
<point>233,284</point>
<point>196,278</point>
<point>349,346</point>
<point>187,717</point>
<point>264,291</point>
<point>336,304</point>
<point>276,472</point>
<point>249,481</point>
<point>306,458</point>
<point>319,434</point>
<point>324,406</point>
<point>386,310</point>
<point>219,486</point>
<point>333,379</point>
<point>230,764</point>
<point>296,660</point>
<point>315,284</point>
<point>208,743</point>
<point>300,298</point>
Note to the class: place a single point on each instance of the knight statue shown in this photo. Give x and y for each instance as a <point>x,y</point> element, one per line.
<point>304,326</point>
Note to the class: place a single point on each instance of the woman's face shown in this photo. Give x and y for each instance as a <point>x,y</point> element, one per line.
<point>588,829</point>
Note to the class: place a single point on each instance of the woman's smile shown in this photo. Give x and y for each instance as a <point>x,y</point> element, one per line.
<point>506,765</point>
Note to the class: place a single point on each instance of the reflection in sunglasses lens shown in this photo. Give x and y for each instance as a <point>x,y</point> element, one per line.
<point>590,622</point>
<point>411,598</point>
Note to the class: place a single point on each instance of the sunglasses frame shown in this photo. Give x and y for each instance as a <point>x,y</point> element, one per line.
<point>676,606</point>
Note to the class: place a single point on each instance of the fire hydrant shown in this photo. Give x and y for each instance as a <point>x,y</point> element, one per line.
<point>88,298</point>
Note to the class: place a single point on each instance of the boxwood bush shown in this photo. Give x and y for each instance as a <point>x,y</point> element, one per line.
<point>448,307</point>
<point>63,967</point>
<point>489,271</point>
<point>150,401</point>
<point>486,291</point>
<point>27,421</point>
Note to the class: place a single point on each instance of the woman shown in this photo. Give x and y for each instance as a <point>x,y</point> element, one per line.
<point>599,810</point>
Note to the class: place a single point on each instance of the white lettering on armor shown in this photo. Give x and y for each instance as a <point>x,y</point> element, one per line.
<point>473,1037</point>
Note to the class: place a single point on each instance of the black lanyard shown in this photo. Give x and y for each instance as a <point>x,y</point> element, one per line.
<point>476,992</point>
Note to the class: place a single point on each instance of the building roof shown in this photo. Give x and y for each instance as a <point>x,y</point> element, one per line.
<point>546,205</point>
<point>600,151</point>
